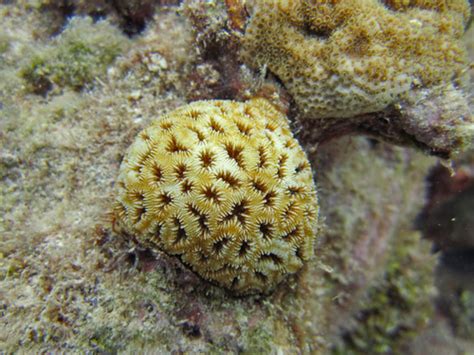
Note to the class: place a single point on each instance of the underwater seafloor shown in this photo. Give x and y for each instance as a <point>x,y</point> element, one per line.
<point>394,260</point>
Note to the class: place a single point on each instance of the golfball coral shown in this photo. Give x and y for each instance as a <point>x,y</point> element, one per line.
<point>341,58</point>
<point>224,186</point>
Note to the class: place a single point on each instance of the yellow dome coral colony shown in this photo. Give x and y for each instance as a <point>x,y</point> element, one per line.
<point>341,58</point>
<point>224,186</point>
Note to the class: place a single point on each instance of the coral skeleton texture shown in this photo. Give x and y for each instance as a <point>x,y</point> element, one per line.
<point>224,186</point>
<point>342,58</point>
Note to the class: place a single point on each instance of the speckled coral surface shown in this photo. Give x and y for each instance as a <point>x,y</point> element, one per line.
<point>343,58</point>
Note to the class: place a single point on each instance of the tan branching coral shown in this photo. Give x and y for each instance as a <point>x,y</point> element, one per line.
<point>224,186</point>
<point>341,58</point>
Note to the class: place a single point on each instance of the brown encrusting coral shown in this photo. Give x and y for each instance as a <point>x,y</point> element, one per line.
<point>224,186</point>
<point>342,58</point>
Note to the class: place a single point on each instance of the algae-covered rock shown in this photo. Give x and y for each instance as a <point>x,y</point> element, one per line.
<point>397,307</point>
<point>70,283</point>
<point>76,57</point>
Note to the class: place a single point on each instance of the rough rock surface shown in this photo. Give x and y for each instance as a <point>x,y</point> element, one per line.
<point>69,283</point>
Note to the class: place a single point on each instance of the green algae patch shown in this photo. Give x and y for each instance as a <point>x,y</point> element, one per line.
<point>257,341</point>
<point>75,58</point>
<point>4,44</point>
<point>462,310</point>
<point>398,306</point>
